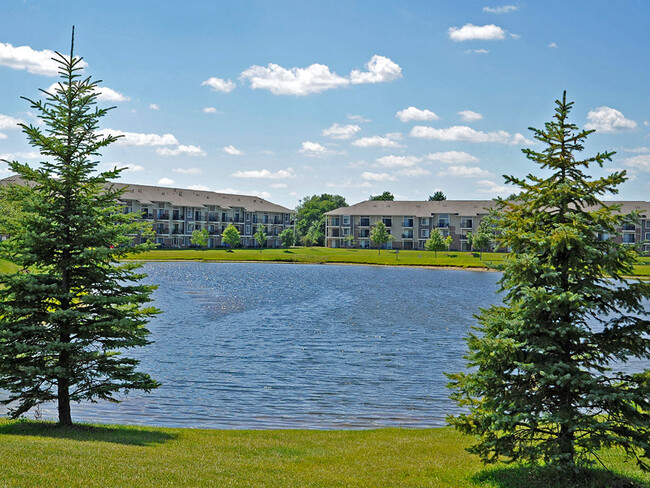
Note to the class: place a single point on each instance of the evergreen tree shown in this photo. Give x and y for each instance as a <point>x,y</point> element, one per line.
<point>437,242</point>
<point>260,236</point>
<point>230,236</point>
<point>542,385</point>
<point>73,307</point>
<point>379,235</point>
<point>437,197</point>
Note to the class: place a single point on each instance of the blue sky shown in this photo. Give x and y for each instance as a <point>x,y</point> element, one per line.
<point>286,99</point>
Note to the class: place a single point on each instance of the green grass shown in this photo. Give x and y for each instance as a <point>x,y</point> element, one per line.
<point>43,454</point>
<point>319,255</point>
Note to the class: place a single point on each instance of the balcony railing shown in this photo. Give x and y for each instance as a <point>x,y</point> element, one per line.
<point>466,224</point>
<point>364,223</point>
<point>442,224</point>
<point>163,216</point>
<point>629,227</point>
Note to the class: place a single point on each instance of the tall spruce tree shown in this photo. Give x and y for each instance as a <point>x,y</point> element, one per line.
<point>71,310</point>
<point>546,383</point>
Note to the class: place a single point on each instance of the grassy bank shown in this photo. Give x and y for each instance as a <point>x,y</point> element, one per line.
<point>41,454</point>
<point>319,255</point>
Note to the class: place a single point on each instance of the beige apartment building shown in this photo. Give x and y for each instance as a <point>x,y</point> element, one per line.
<point>411,223</point>
<point>174,213</point>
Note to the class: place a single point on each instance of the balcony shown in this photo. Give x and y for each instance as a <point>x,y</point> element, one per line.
<point>162,230</point>
<point>334,222</point>
<point>466,224</point>
<point>407,223</point>
<point>163,216</point>
<point>629,227</point>
<point>147,216</point>
<point>364,223</point>
<point>408,234</point>
<point>442,224</point>
<point>387,222</point>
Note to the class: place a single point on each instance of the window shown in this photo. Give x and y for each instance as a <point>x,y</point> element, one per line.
<point>346,220</point>
<point>224,217</point>
<point>424,233</point>
<point>248,230</point>
<point>364,244</point>
<point>466,223</point>
<point>407,222</point>
<point>647,224</point>
<point>364,233</point>
<point>424,221</point>
<point>647,236</point>
<point>407,234</point>
<point>334,222</point>
<point>346,231</point>
<point>364,221</point>
<point>628,238</point>
<point>603,236</point>
<point>388,221</point>
<point>443,220</point>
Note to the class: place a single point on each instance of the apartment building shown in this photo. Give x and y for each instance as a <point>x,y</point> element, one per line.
<point>174,213</point>
<point>411,223</point>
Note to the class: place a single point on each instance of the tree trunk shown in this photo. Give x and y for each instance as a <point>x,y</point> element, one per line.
<point>64,402</point>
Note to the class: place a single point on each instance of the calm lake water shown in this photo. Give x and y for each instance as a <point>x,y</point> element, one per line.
<point>262,345</point>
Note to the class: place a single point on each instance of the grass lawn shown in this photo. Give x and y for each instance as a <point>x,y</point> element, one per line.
<point>42,454</point>
<point>318,255</point>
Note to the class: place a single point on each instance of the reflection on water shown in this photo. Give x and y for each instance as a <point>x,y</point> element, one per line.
<point>261,345</point>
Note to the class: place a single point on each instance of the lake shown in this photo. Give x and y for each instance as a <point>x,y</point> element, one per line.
<point>265,345</point>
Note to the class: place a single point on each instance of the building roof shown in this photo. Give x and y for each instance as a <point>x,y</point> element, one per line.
<point>182,197</point>
<point>465,208</point>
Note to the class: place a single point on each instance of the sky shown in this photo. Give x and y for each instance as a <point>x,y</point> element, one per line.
<point>286,99</point>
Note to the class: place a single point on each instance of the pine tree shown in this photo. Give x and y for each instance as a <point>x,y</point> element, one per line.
<point>73,307</point>
<point>542,385</point>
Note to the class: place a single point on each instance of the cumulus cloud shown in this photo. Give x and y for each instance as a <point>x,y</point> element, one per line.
<point>464,171</point>
<point>492,188</point>
<point>358,118</point>
<point>165,181</point>
<point>9,122</point>
<point>20,155</point>
<point>232,150</point>
<point>367,175</point>
<point>36,62</point>
<point>467,134</point>
<point>412,113</point>
<point>310,148</point>
<point>199,187</point>
<point>337,131</point>
<point>388,140</point>
<point>317,77</point>
<point>104,93</point>
<point>469,115</point>
<point>129,167</point>
<point>397,161</point>
<point>640,149</point>
<point>349,183</point>
<point>3,136</point>
<point>209,110</point>
<point>607,119</point>
<point>504,9</point>
<point>553,45</point>
<point>471,32</point>
<point>219,85</point>
<point>181,149</point>
<point>413,172</point>
<point>154,106</point>
<point>278,185</point>
<point>138,139</point>
<point>477,51</point>
<point>188,171</point>
<point>265,174</point>
<point>452,157</point>
<point>641,162</point>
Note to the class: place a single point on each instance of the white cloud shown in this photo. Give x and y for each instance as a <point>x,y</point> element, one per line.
<point>154,106</point>
<point>469,115</point>
<point>366,175</point>
<point>358,164</point>
<point>267,151</point>
<point>349,183</point>
<point>104,93</point>
<point>260,193</point>
<point>129,167</point>
<point>138,139</point>
<point>20,155</point>
<point>220,85</point>
<point>388,140</point>
<point>380,69</point>
<point>470,32</point>
<point>492,188</point>
<point>607,119</point>
<point>265,173</point>
<point>477,51</point>
<point>199,187</point>
<point>181,149</point>
<point>553,45</point>
<point>165,181</point>
<point>467,134</point>
<point>188,171</point>
<point>640,149</point>
<point>413,113</point>
<point>3,136</point>
<point>358,118</point>
<point>232,150</point>
<point>317,77</point>
<point>310,148</point>
<point>452,157</point>
<point>464,171</point>
<point>646,123</point>
<point>641,162</point>
<point>9,122</point>
<point>413,172</point>
<point>337,131</point>
<point>504,9</point>
<point>397,161</point>
<point>278,185</point>
<point>209,110</point>
<point>36,62</point>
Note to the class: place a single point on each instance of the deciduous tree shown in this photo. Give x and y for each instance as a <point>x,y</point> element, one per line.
<point>200,237</point>
<point>386,197</point>
<point>231,237</point>
<point>546,382</point>
<point>287,238</point>
<point>311,211</point>
<point>437,242</point>
<point>260,236</point>
<point>74,306</point>
<point>379,235</point>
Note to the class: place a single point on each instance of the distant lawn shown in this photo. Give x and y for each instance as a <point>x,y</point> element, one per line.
<point>317,255</point>
<point>41,454</point>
